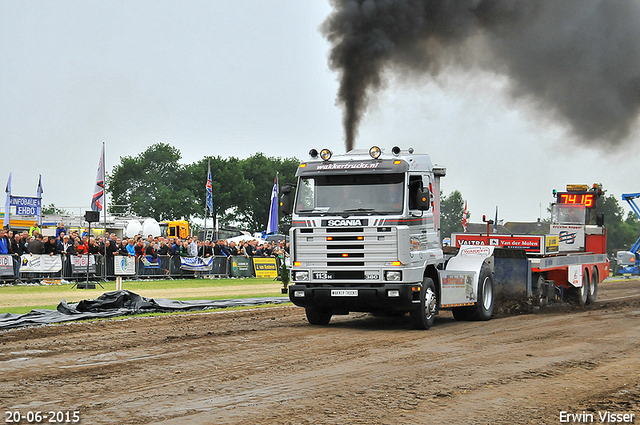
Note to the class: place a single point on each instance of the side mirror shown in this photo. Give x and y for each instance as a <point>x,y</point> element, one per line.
<point>285,199</point>
<point>600,219</point>
<point>423,199</point>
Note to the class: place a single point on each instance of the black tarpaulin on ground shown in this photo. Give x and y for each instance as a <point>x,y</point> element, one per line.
<point>120,303</point>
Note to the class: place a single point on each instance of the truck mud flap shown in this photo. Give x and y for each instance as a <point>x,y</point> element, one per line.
<point>512,279</point>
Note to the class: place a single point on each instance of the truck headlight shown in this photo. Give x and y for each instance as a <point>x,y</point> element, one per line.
<point>393,275</point>
<point>301,276</point>
<point>393,293</point>
<point>298,294</point>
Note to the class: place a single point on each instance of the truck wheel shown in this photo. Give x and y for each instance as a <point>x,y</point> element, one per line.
<point>580,295</point>
<point>317,316</point>
<point>592,294</point>
<point>539,290</point>
<point>460,313</point>
<point>424,316</point>
<point>484,307</point>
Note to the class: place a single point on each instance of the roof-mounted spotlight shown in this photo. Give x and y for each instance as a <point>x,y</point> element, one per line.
<point>325,154</point>
<point>375,152</point>
<point>395,150</point>
<point>313,153</point>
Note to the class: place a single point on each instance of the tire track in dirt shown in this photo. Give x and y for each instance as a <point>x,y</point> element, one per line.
<point>269,366</point>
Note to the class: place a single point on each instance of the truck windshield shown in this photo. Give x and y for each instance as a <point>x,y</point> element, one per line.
<point>354,194</point>
<point>568,214</point>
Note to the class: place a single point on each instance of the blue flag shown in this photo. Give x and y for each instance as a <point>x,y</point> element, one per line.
<point>272,226</point>
<point>209,190</point>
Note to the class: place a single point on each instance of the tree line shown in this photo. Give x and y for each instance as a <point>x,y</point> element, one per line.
<point>155,184</point>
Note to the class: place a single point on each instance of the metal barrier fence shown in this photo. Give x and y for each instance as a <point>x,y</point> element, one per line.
<point>40,267</point>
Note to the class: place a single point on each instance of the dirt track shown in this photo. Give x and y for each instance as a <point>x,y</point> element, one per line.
<point>268,366</point>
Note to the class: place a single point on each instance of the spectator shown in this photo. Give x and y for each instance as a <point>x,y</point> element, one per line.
<point>94,248</point>
<point>34,228</point>
<point>250,248</point>
<point>163,249</point>
<point>24,239</point>
<point>60,229</point>
<point>206,249</point>
<point>150,249</point>
<point>82,247</point>
<point>67,246</point>
<point>51,246</point>
<point>184,249</point>
<point>16,246</point>
<point>5,243</point>
<point>232,249</point>
<point>36,246</point>
<point>193,247</point>
<point>175,247</point>
<point>139,248</point>
<point>110,248</point>
<point>261,251</point>
<point>131,247</point>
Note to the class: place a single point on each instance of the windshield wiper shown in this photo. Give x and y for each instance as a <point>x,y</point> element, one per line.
<point>359,210</point>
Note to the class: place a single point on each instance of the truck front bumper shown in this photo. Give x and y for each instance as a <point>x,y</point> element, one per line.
<point>386,297</point>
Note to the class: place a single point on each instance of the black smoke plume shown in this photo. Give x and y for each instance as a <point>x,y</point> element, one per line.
<point>577,60</point>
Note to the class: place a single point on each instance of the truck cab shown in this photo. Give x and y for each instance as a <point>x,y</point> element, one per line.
<point>365,234</point>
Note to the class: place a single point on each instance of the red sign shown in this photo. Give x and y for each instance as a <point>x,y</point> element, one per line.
<point>528,243</point>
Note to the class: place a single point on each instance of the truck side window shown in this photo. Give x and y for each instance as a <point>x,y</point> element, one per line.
<point>415,183</point>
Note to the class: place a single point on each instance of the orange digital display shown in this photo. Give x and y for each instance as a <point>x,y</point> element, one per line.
<point>577,198</point>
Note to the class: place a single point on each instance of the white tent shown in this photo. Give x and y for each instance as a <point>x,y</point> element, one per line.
<point>245,237</point>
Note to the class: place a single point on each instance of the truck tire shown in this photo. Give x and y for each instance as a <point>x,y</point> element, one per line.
<point>592,293</point>
<point>579,295</point>
<point>539,290</point>
<point>424,316</point>
<point>460,313</point>
<point>484,306</point>
<point>317,316</point>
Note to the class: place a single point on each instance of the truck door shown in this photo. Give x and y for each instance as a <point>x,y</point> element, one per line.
<point>421,225</point>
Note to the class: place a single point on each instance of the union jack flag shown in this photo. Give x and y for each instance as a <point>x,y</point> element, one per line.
<point>209,190</point>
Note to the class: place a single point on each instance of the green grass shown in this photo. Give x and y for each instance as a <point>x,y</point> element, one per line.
<point>23,299</point>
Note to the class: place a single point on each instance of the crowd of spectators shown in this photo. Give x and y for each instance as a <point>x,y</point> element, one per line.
<point>74,243</point>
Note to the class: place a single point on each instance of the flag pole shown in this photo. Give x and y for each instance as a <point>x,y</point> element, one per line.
<point>205,201</point>
<point>104,218</point>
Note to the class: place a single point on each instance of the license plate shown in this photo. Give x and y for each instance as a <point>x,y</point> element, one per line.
<point>344,292</point>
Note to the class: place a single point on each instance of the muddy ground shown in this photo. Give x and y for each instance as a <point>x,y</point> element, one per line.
<point>268,366</point>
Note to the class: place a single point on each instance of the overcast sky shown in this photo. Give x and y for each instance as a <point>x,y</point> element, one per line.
<point>233,78</point>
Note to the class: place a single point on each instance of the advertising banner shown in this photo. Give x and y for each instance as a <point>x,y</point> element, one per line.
<point>240,267</point>
<point>124,266</point>
<point>148,262</point>
<point>38,263</point>
<point>265,267</point>
<point>79,264</point>
<point>532,243</point>
<point>6,265</point>
<point>196,264</point>
<point>570,238</point>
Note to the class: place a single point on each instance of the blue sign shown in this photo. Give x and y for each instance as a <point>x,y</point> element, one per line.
<point>26,205</point>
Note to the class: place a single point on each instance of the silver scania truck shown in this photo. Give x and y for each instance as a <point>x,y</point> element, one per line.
<point>365,237</point>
